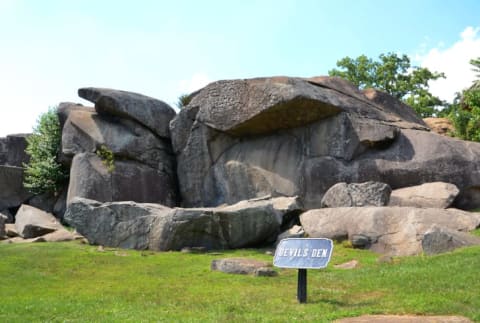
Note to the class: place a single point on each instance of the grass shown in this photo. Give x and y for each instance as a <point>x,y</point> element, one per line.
<point>72,282</point>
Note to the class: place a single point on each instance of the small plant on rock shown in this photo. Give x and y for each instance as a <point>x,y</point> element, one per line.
<point>107,157</point>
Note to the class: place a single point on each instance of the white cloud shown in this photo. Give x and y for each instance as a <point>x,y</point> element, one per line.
<point>196,82</point>
<point>454,62</point>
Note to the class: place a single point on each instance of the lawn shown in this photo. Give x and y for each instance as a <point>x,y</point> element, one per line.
<point>73,282</point>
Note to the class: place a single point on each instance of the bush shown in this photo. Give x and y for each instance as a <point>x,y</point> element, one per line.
<point>44,173</point>
<point>465,115</point>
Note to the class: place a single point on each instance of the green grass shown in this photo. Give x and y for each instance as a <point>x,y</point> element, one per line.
<point>71,282</point>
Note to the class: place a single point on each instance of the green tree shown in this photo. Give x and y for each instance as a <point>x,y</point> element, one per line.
<point>395,75</point>
<point>465,111</point>
<point>44,173</point>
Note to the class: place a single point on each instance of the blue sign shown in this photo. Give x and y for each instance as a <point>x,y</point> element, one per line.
<point>303,253</point>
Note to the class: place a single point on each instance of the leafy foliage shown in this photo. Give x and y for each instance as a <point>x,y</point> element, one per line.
<point>394,75</point>
<point>183,100</point>
<point>465,111</point>
<point>107,157</point>
<point>44,173</point>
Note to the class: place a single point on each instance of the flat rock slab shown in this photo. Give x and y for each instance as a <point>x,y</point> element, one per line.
<point>243,266</point>
<point>32,222</point>
<point>404,319</point>
<point>437,195</point>
<point>396,231</point>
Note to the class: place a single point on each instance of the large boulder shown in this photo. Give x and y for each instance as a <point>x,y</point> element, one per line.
<point>15,150</point>
<point>440,240</point>
<point>395,231</point>
<point>3,150</point>
<point>434,195</point>
<point>357,194</point>
<point>3,219</point>
<point>12,191</point>
<point>31,222</point>
<point>91,178</point>
<point>152,113</point>
<point>241,139</point>
<point>157,227</point>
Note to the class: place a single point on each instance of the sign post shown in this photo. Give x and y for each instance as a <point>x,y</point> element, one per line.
<point>303,254</point>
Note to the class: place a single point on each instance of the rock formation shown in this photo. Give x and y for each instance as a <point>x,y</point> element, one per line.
<point>240,139</point>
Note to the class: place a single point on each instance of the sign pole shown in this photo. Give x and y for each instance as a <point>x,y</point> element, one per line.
<point>302,286</point>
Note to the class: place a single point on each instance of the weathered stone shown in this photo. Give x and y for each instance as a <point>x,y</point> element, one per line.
<point>152,113</point>
<point>59,236</point>
<point>11,230</point>
<point>352,264</point>
<point>12,192</point>
<point>23,240</point>
<point>294,232</point>
<point>87,131</point>
<point>265,272</point>
<point>357,194</point>
<point>9,217</point>
<point>243,266</point>
<point>434,195</point>
<point>44,202</point>
<point>65,108</point>
<point>3,219</point>
<point>129,181</point>
<point>16,145</point>
<point>468,199</point>
<point>156,227</point>
<point>442,126</point>
<point>440,240</point>
<point>395,231</point>
<point>32,222</point>
<point>3,150</point>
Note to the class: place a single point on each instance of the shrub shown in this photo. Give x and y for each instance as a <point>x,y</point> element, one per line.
<point>183,100</point>
<point>107,157</point>
<point>43,173</point>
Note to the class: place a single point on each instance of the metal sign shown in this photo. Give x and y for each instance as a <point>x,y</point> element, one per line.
<point>303,253</point>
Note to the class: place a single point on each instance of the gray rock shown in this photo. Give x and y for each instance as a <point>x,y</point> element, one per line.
<point>440,240</point>
<point>152,113</point>
<point>32,222</point>
<point>129,181</point>
<point>265,272</point>
<point>357,194</point>
<point>8,216</point>
<point>468,199</point>
<point>242,266</point>
<point>12,192</point>
<point>396,231</point>
<point>294,232</point>
<point>16,145</point>
<point>434,195</point>
<point>3,150</point>
<point>156,227</point>
<point>3,220</point>
<point>65,108</point>
<point>44,202</point>
<point>11,230</point>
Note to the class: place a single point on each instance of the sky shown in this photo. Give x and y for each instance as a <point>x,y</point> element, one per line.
<point>51,48</point>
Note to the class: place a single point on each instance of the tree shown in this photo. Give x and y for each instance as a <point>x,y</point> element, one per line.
<point>44,173</point>
<point>183,100</point>
<point>465,111</point>
<point>394,75</point>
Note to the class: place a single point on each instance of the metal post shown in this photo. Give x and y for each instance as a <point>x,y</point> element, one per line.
<point>302,286</point>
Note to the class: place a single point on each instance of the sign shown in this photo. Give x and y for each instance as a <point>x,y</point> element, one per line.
<point>303,253</point>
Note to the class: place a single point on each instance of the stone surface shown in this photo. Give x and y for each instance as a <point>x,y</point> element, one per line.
<point>15,146</point>
<point>152,113</point>
<point>31,222</point>
<point>396,231</point>
<point>129,181</point>
<point>156,227</point>
<point>11,230</point>
<point>3,150</point>
<point>243,266</point>
<point>434,195</point>
<point>242,139</point>
<point>440,240</point>
<point>3,219</point>
<point>8,215</point>
<point>12,192</point>
<point>60,235</point>
<point>294,232</point>
<point>352,264</point>
<point>404,319</point>
<point>357,194</point>
<point>442,126</point>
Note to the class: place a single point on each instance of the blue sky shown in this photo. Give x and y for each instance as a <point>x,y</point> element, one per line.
<point>51,48</point>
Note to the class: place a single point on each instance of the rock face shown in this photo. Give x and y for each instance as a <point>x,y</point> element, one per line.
<point>357,194</point>
<point>32,222</point>
<point>241,139</point>
<point>442,240</point>
<point>397,231</point>
<point>133,129</point>
<point>12,192</point>
<point>434,195</point>
<point>15,150</point>
<point>153,226</point>
<point>152,113</point>
<point>3,219</point>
